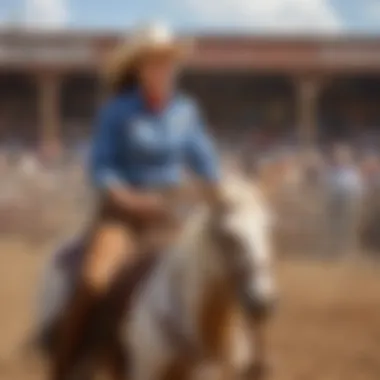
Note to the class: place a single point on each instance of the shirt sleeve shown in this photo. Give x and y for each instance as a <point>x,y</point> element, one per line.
<point>200,152</point>
<point>105,154</point>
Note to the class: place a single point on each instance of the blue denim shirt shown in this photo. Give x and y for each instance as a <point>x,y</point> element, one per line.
<point>144,149</point>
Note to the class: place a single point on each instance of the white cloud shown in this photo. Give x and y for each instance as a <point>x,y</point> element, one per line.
<point>267,15</point>
<point>46,14</point>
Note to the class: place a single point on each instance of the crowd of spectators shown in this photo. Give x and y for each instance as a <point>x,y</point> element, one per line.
<point>40,197</point>
<point>331,193</point>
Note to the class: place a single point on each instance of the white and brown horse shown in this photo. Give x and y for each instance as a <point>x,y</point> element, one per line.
<point>185,315</point>
<point>220,270</point>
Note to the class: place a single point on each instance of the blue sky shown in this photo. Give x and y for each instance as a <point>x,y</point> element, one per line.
<point>256,16</point>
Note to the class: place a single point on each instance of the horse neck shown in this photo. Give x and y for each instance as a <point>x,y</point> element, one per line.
<point>208,294</point>
<point>199,257</point>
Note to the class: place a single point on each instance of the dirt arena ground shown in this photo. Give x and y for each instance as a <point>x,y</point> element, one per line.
<point>327,326</point>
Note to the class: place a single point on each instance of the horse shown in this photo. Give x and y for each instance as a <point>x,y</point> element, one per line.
<point>220,268</point>
<point>182,317</point>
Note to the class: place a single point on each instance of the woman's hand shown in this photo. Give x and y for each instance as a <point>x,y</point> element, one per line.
<point>148,206</point>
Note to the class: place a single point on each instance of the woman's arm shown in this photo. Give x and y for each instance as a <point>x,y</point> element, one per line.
<point>202,158</point>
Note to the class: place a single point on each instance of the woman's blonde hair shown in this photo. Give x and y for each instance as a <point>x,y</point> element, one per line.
<point>153,40</point>
<point>121,78</point>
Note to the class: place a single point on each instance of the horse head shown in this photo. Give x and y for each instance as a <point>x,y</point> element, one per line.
<point>241,234</point>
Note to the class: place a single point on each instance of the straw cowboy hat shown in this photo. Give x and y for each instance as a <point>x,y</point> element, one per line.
<point>148,41</point>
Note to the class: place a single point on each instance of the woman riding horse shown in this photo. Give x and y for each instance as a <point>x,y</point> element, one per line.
<point>146,134</point>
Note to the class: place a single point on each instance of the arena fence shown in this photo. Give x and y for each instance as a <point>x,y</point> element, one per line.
<point>53,205</point>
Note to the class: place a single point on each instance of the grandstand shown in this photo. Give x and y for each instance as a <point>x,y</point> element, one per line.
<point>296,88</point>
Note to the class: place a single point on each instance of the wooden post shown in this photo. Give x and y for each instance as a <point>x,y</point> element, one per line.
<point>50,118</point>
<point>307,101</point>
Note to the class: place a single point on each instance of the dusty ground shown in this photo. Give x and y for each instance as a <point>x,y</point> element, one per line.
<point>327,326</point>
